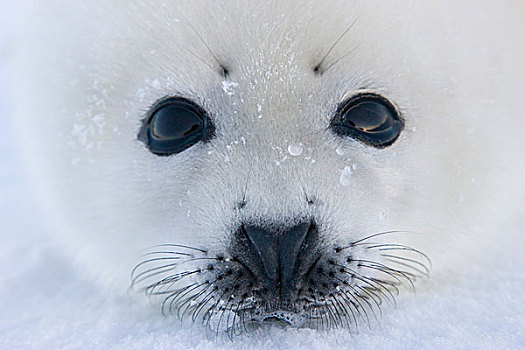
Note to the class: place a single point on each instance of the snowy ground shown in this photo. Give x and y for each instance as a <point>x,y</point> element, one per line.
<point>46,304</point>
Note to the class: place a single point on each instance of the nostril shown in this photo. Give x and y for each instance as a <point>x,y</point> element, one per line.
<point>278,249</point>
<point>290,244</point>
<point>265,244</point>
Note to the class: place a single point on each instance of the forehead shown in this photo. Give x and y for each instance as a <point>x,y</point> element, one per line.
<point>272,44</point>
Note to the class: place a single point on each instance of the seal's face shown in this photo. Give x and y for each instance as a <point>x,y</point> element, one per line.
<point>285,248</point>
<point>282,164</point>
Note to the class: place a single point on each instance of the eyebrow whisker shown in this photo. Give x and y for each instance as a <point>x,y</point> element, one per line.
<point>340,58</point>
<point>223,69</point>
<point>318,69</point>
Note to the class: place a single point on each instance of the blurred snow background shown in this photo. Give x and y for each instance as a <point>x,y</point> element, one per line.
<point>46,304</point>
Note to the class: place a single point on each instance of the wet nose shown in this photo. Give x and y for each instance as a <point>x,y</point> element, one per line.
<point>278,250</point>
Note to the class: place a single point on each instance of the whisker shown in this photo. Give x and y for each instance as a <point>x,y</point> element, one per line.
<point>201,59</point>
<point>377,287</point>
<point>375,235</point>
<point>372,295</point>
<point>353,296</point>
<point>224,70</point>
<point>317,68</point>
<point>361,289</point>
<point>186,303</point>
<point>202,304</point>
<point>164,268</point>
<point>341,58</point>
<point>336,313</point>
<point>425,272</point>
<point>382,282</point>
<point>182,246</point>
<point>366,298</point>
<point>400,247</point>
<point>389,273</point>
<point>367,263</point>
<point>167,252</point>
<point>358,307</point>
<point>390,270</point>
<point>168,298</point>
<point>168,280</point>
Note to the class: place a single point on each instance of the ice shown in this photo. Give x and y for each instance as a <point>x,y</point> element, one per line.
<point>295,149</point>
<point>340,151</point>
<point>346,174</point>
<point>229,87</point>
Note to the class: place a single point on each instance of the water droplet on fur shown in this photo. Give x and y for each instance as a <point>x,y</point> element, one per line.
<point>346,175</point>
<point>295,149</point>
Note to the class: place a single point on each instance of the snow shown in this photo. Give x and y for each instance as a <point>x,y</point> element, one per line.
<point>229,87</point>
<point>46,304</point>
<point>340,151</point>
<point>346,176</point>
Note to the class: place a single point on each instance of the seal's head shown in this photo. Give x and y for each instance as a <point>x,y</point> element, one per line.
<point>285,161</point>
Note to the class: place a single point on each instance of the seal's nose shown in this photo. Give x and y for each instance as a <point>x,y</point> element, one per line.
<point>278,250</point>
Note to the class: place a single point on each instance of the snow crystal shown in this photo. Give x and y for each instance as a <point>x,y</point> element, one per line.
<point>155,84</point>
<point>229,87</point>
<point>346,175</point>
<point>98,120</point>
<point>340,151</point>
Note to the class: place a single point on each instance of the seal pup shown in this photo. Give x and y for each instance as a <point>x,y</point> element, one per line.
<point>286,161</point>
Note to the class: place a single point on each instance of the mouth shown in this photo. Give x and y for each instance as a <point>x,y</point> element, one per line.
<point>282,318</point>
<point>321,287</point>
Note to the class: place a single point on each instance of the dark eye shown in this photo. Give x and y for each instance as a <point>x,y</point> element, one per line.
<point>369,118</point>
<point>174,125</point>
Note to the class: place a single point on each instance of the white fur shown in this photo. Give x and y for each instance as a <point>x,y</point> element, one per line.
<point>89,71</point>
